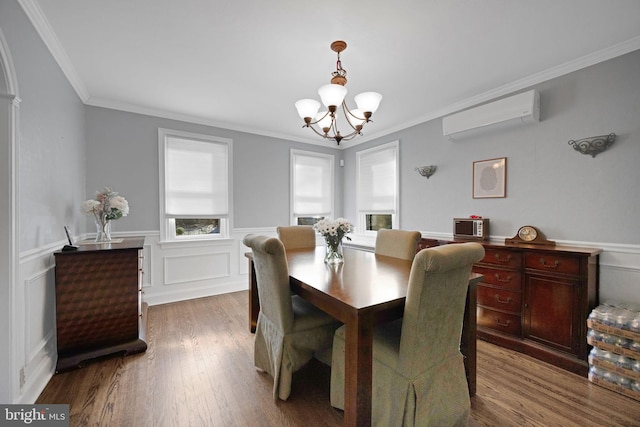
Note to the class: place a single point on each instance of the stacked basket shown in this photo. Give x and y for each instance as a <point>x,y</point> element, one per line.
<point>614,361</point>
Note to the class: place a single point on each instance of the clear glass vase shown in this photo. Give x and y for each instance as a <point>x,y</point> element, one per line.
<point>334,253</point>
<point>103,231</point>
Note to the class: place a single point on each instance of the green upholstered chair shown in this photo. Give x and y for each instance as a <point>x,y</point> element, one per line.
<point>289,329</point>
<point>418,370</point>
<point>297,236</point>
<point>397,243</point>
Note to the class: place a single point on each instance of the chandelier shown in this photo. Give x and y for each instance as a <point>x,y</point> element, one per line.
<point>332,96</point>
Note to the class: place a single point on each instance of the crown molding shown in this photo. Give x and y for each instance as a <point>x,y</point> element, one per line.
<point>48,36</point>
<point>172,115</point>
<point>594,58</point>
<point>537,78</point>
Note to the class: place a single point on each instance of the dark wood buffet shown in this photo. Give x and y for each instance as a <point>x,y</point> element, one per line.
<point>99,308</point>
<point>536,299</point>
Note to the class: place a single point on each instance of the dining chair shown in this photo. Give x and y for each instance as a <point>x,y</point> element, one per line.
<point>418,369</point>
<point>289,329</point>
<point>397,243</point>
<point>297,236</point>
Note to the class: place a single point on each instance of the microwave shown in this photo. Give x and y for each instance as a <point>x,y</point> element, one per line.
<point>471,228</point>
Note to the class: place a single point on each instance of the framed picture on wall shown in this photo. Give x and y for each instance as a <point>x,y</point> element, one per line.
<point>490,178</point>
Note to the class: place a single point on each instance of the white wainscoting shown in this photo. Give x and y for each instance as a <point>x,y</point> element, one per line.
<point>180,269</point>
<point>35,350</point>
<point>177,271</point>
<point>184,270</point>
<point>619,273</point>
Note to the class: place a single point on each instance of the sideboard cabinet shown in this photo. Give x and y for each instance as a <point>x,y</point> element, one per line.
<point>99,308</point>
<point>536,300</point>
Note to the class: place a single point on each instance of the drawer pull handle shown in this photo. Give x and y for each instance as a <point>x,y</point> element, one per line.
<point>503,324</point>
<point>501,259</point>
<point>554,265</point>
<point>502,301</point>
<point>507,280</point>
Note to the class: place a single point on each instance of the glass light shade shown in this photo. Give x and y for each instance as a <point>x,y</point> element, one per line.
<point>359,118</point>
<point>307,108</point>
<point>332,94</point>
<point>324,123</point>
<point>368,101</point>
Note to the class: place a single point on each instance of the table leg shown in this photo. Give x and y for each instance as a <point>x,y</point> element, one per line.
<point>358,371</point>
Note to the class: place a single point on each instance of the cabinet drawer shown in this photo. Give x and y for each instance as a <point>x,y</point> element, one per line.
<point>504,257</point>
<point>552,263</point>
<point>502,278</point>
<point>500,299</point>
<point>496,320</point>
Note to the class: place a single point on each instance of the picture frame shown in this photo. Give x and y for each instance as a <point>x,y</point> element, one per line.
<point>490,178</point>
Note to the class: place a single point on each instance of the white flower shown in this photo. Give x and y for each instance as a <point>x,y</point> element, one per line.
<point>90,206</point>
<point>121,204</point>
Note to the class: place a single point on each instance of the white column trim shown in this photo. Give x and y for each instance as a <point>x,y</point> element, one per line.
<point>9,227</point>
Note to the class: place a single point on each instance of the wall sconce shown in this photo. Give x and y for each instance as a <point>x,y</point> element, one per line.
<point>593,145</point>
<point>426,171</point>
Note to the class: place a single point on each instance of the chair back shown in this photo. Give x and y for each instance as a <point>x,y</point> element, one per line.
<point>272,277</point>
<point>434,308</point>
<point>397,243</point>
<point>297,236</point>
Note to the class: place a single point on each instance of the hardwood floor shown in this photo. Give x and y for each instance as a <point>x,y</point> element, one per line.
<point>198,371</point>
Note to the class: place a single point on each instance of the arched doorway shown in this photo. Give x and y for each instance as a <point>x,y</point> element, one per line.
<point>9,102</point>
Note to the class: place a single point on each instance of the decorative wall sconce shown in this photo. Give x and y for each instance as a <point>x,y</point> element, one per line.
<point>426,171</point>
<point>593,145</point>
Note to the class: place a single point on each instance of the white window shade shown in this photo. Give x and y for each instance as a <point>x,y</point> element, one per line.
<point>312,185</point>
<point>196,179</point>
<point>378,181</point>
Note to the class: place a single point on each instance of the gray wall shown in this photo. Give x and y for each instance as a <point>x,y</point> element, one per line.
<point>122,152</point>
<point>568,195</point>
<point>52,136</point>
<point>50,181</point>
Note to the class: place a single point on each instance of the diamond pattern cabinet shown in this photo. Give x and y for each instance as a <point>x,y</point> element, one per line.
<point>99,309</point>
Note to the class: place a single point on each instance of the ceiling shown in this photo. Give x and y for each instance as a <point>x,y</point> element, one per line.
<point>242,64</point>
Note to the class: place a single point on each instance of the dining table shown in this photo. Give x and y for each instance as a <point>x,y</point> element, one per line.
<point>365,290</point>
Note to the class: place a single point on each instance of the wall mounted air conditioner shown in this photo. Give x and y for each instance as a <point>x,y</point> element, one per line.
<point>521,108</point>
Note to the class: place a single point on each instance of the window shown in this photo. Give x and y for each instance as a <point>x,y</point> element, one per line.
<point>375,222</point>
<point>377,188</point>
<point>311,187</point>
<point>195,186</point>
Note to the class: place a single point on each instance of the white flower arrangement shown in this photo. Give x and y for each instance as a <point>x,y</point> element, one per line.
<point>106,206</point>
<point>334,231</point>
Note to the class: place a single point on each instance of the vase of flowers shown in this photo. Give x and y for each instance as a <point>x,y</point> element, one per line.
<point>333,233</point>
<point>106,207</point>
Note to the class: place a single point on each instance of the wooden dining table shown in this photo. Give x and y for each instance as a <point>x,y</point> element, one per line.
<point>365,290</point>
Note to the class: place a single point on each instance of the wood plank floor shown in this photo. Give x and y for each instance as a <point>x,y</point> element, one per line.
<point>198,371</point>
